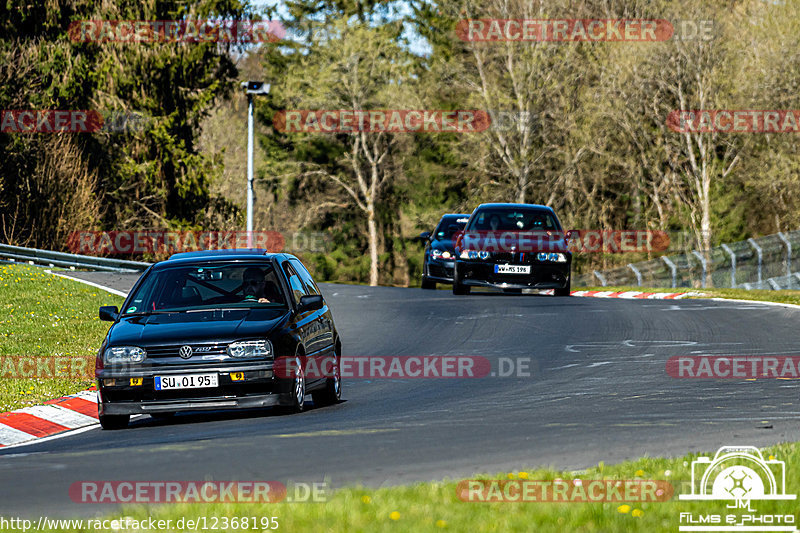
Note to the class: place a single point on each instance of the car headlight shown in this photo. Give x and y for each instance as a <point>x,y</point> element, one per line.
<point>469,254</point>
<point>446,255</point>
<point>555,257</point>
<point>125,354</point>
<point>260,348</point>
<point>483,254</point>
<point>436,253</point>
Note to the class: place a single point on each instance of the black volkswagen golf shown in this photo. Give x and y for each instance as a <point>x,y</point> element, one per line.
<point>213,330</point>
<point>513,247</point>
<point>437,265</point>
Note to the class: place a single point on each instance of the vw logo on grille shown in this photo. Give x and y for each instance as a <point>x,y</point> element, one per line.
<point>185,352</point>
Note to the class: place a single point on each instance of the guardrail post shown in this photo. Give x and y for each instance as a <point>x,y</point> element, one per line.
<point>674,270</point>
<point>600,277</point>
<point>733,264</point>
<point>782,237</point>
<point>757,248</point>
<point>705,267</point>
<point>638,274</point>
<point>774,284</point>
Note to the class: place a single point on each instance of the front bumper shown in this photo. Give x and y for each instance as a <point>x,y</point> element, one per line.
<point>439,270</point>
<point>258,388</point>
<point>543,275</point>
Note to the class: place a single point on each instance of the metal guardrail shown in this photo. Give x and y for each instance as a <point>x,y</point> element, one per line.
<point>762,263</point>
<point>61,259</point>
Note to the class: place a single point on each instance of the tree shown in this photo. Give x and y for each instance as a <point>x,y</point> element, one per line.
<point>349,66</point>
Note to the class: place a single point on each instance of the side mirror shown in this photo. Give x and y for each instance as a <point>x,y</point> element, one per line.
<point>310,302</point>
<point>424,236</point>
<point>109,313</point>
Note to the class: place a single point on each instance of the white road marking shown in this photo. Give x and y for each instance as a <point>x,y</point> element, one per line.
<point>95,285</point>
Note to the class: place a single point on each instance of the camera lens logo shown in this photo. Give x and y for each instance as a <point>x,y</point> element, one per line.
<point>185,352</point>
<point>744,486</point>
<point>738,473</point>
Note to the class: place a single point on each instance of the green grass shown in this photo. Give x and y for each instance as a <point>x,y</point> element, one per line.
<point>436,506</point>
<point>786,297</point>
<point>42,315</point>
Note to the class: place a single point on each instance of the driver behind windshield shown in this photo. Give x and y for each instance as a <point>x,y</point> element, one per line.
<point>255,285</point>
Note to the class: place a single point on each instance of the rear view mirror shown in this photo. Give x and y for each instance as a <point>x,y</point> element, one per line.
<point>109,313</point>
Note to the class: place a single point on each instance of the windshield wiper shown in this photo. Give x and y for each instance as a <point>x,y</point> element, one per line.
<point>218,309</point>
<point>148,313</point>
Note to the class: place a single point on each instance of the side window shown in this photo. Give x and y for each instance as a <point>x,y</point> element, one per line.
<point>295,284</point>
<point>311,287</point>
<point>439,231</point>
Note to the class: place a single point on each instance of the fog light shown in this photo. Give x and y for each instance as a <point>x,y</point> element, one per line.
<point>541,256</point>
<point>136,382</point>
<point>109,382</point>
<point>237,376</point>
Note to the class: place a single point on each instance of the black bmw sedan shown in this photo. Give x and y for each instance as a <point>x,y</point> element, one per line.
<point>213,330</point>
<point>513,247</point>
<point>437,265</point>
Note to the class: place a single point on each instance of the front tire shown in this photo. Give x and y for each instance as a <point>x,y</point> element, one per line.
<point>458,287</point>
<point>565,291</point>
<point>298,391</point>
<point>114,421</point>
<point>428,284</point>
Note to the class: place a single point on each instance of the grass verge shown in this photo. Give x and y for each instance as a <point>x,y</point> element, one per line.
<point>437,507</point>
<point>45,316</point>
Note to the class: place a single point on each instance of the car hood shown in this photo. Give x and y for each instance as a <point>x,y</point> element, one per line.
<point>195,327</point>
<point>512,241</point>
<point>444,245</point>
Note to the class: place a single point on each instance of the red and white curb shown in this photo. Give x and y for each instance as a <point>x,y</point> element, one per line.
<point>632,295</point>
<point>55,416</point>
<point>73,413</point>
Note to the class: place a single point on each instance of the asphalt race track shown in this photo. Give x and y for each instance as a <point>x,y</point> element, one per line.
<point>598,390</point>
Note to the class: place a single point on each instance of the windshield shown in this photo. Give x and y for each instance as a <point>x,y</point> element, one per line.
<point>218,286</point>
<point>448,227</point>
<point>514,219</point>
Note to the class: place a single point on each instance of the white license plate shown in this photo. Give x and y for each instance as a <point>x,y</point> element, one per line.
<point>512,269</point>
<point>186,381</point>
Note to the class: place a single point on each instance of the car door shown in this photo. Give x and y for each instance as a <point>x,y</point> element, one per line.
<point>306,322</point>
<point>324,319</point>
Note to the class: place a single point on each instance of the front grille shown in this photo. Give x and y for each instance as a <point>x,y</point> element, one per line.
<point>438,271</point>
<point>156,352</point>
<point>516,257</point>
